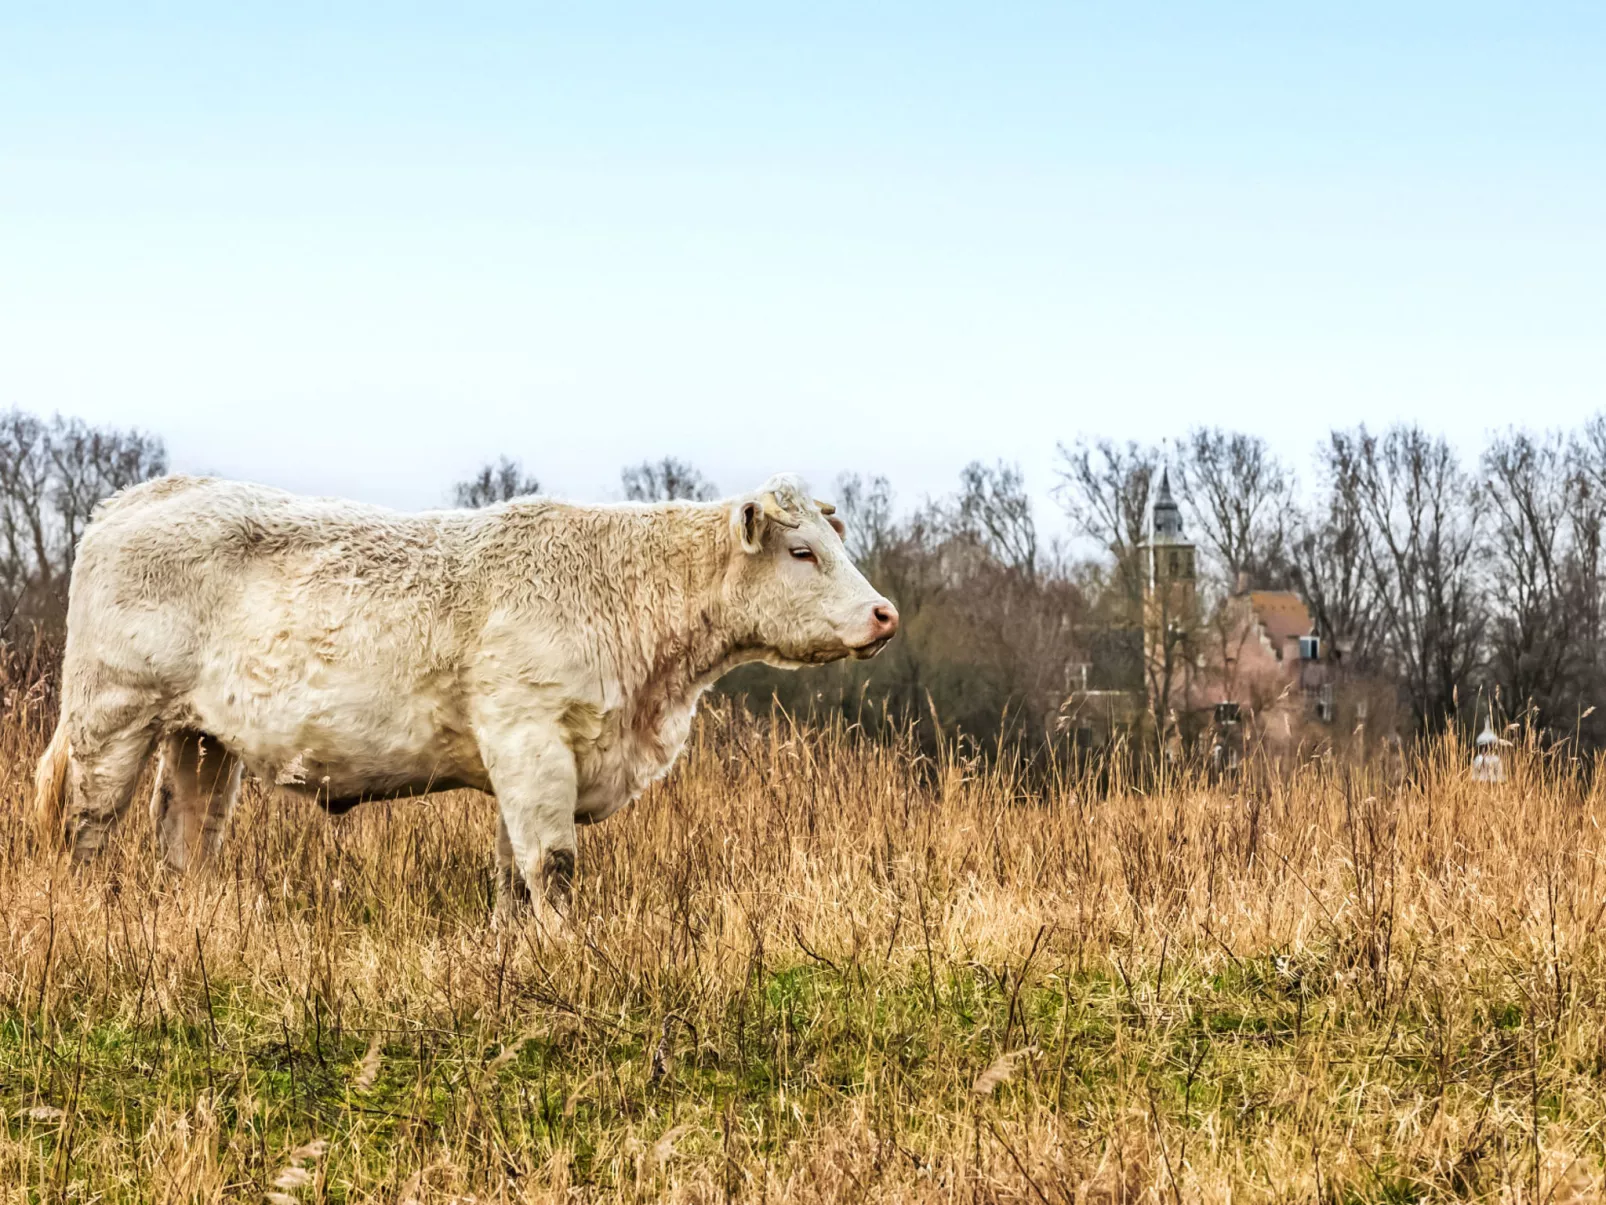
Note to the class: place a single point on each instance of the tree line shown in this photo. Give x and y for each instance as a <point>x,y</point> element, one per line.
<point>1458,582</point>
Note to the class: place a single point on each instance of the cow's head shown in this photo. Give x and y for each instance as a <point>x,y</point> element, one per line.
<point>793,590</point>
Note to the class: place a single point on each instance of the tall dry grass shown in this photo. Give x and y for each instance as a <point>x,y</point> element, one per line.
<point>808,967</point>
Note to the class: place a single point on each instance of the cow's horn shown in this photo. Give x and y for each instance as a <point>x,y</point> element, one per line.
<point>773,510</point>
<point>826,508</point>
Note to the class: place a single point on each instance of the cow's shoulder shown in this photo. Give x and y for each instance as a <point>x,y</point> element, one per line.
<point>144,493</point>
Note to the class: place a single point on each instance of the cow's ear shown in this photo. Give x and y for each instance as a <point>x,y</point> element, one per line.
<point>747,521</point>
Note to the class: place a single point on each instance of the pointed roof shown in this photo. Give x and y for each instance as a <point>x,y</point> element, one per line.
<point>1167,516</point>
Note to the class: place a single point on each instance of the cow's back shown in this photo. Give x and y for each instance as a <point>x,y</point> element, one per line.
<point>249,607</point>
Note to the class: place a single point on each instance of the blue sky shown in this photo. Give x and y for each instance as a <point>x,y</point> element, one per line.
<point>357,252</point>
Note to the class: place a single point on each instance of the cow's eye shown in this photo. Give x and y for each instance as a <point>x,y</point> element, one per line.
<point>803,553</point>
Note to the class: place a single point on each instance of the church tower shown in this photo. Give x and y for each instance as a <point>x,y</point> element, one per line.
<point>1169,554</point>
<point>1170,615</point>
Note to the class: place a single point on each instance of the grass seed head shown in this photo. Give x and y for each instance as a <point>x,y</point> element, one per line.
<point>665,1146</point>
<point>1001,1071</point>
<point>368,1069</point>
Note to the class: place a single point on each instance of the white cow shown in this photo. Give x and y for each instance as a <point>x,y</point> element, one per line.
<point>548,653</point>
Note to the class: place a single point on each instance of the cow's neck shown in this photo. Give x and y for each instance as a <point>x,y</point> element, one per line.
<point>675,639</point>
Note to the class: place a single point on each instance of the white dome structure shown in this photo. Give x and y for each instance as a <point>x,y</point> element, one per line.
<point>1487,765</point>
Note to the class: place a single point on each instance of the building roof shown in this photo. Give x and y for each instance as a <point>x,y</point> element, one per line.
<point>1282,614</point>
<point>1166,518</point>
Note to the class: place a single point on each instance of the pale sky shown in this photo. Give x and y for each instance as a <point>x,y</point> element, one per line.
<point>359,253</point>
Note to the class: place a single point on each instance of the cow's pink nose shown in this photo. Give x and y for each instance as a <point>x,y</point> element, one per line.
<point>883,621</point>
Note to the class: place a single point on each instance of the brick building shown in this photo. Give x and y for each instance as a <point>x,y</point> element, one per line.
<point>1250,662</point>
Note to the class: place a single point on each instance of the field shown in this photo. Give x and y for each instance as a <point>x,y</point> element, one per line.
<point>808,967</point>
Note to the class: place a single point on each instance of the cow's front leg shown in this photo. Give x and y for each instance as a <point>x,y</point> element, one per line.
<point>512,895</point>
<point>532,772</point>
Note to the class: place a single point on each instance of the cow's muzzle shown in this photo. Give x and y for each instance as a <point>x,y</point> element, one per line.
<point>883,627</point>
<point>865,651</point>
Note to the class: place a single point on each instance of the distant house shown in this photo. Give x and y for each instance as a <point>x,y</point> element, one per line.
<point>1253,658</point>
<point>1260,651</point>
<point>1252,661</point>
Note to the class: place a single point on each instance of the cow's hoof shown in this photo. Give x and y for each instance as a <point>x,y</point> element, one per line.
<point>557,878</point>
<point>512,893</point>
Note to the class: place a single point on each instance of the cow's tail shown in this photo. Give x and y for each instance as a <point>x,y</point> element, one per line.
<point>50,787</point>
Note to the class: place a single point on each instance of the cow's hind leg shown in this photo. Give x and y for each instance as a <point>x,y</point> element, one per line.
<point>197,783</point>
<point>109,747</point>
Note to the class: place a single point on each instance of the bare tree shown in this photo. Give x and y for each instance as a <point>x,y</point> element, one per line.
<point>52,475</point>
<point>1174,635</point>
<point>1240,498</point>
<point>865,508</point>
<point>1104,489</point>
<point>1422,511</point>
<point>1586,458</point>
<point>89,464</point>
<point>1528,489</point>
<point>25,496</point>
<point>1331,561</point>
<point>1586,576</point>
<point>995,510</point>
<point>666,480</point>
<point>499,482</point>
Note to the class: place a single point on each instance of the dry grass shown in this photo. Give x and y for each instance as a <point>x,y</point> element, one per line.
<point>807,968</point>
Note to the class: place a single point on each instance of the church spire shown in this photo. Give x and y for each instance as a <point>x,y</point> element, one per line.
<point>1167,514</point>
